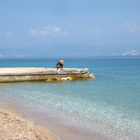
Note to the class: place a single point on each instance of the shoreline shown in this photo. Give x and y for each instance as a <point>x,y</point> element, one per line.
<point>48,121</point>
<point>15,126</point>
<point>26,126</point>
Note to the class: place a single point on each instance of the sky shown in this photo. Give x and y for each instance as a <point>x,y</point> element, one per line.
<point>69,28</point>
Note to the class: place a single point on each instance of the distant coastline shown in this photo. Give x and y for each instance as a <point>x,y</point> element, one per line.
<point>72,57</point>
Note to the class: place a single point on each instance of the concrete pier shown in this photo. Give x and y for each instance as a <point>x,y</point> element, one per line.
<point>43,74</point>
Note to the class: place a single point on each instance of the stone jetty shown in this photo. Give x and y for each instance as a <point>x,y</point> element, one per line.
<point>43,74</point>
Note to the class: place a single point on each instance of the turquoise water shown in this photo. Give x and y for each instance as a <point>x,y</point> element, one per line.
<point>109,104</point>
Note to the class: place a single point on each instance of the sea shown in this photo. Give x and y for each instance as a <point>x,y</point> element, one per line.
<point>108,105</point>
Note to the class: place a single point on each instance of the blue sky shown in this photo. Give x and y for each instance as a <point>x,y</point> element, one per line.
<point>69,28</point>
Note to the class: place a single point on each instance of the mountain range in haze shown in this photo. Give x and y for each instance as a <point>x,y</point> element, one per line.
<point>68,51</point>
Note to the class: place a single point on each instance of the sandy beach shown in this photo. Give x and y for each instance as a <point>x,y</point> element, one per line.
<point>15,127</point>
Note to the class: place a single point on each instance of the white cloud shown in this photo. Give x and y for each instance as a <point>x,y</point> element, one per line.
<point>131,53</point>
<point>48,30</point>
<point>56,30</point>
<point>128,27</point>
<point>8,34</point>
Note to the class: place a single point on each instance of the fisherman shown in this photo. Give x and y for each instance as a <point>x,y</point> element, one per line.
<point>60,65</point>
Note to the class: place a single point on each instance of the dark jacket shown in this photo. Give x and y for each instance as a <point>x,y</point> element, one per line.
<point>59,65</point>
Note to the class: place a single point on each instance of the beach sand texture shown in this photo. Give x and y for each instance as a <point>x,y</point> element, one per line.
<point>14,127</point>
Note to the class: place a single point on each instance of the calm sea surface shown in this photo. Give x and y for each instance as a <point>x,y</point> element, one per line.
<point>109,104</point>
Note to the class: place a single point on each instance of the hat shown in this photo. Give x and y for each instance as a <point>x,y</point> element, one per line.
<point>62,61</point>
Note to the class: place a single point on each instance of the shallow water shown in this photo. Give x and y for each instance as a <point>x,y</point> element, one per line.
<point>108,104</point>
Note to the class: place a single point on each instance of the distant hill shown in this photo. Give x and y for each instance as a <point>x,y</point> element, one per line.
<point>70,51</point>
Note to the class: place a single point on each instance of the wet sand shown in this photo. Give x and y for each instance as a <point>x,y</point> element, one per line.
<point>59,128</point>
<point>22,128</point>
<point>14,126</point>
